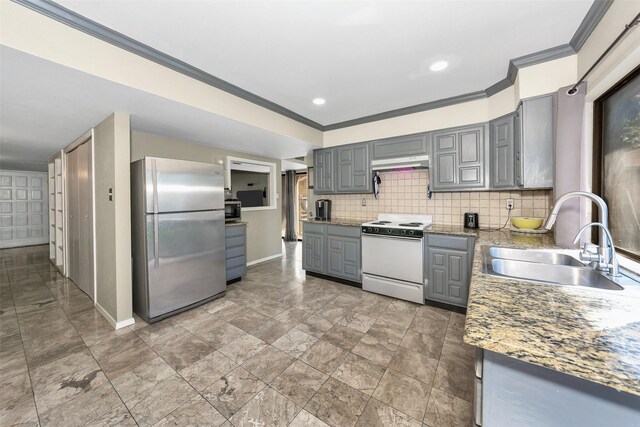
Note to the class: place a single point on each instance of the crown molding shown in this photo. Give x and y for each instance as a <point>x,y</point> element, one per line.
<point>79,22</point>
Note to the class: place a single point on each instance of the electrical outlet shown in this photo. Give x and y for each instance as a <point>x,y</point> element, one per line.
<point>364,202</point>
<point>509,204</point>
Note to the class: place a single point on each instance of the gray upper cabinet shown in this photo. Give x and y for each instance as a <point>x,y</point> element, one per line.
<point>449,260</point>
<point>458,159</point>
<point>354,168</point>
<point>502,152</point>
<point>535,142</point>
<point>404,146</point>
<point>323,171</point>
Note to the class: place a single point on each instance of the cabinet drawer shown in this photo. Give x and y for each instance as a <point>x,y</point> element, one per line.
<point>234,242</point>
<point>236,262</point>
<point>343,231</point>
<point>308,227</point>
<point>450,242</point>
<point>234,231</point>
<point>235,252</point>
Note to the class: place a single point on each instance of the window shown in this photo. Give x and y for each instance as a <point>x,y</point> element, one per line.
<point>617,161</point>
<point>252,182</point>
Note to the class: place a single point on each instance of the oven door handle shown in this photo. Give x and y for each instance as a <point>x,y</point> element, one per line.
<point>384,236</point>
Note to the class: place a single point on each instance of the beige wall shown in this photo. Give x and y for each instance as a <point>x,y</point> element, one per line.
<point>263,227</point>
<point>405,192</point>
<point>113,218</point>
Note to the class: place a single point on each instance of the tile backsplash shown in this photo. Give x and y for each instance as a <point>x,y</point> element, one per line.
<point>406,192</point>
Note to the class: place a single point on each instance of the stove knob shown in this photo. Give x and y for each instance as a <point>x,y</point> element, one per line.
<point>404,231</point>
<point>369,229</point>
<point>388,230</point>
<point>376,229</point>
<point>411,232</point>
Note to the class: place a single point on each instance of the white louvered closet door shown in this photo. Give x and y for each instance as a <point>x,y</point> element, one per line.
<point>23,208</point>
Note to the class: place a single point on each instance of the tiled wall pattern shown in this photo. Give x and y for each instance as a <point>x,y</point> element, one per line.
<point>406,192</point>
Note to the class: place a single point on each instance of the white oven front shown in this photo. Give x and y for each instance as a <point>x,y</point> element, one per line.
<point>393,257</point>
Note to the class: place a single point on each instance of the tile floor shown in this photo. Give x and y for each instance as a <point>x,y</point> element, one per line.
<point>280,349</point>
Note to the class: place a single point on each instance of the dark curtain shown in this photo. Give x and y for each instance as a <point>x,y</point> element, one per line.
<point>290,205</point>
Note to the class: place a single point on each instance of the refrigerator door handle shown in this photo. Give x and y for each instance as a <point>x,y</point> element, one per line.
<point>156,241</point>
<point>154,177</point>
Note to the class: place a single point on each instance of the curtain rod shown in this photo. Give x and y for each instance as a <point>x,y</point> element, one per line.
<point>627,27</point>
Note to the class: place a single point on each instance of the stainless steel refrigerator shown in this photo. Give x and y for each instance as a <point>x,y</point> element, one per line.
<point>177,235</point>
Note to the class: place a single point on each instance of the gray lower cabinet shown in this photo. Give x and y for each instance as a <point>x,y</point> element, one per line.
<point>510,392</point>
<point>332,250</point>
<point>353,168</point>
<point>323,171</point>
<point>313,248</point>
<point>404,146</point>
<point>448,263</point>
<point>459,159</point>
<point>502,152</point>
<point>236,251</point>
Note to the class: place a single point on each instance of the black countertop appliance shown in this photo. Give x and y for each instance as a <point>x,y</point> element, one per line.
<point>323,209</point>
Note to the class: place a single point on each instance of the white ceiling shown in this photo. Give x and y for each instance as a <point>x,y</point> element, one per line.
<point>364,57</point>
<point>45,106</point>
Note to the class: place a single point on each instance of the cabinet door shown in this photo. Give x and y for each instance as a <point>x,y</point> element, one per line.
<point>502,149</point>
<point>448,276</point>
<point>537,135</point>
<point>343,258</point>
<point>354,169</point>
<point>323,170</point>
<point>413,145</point>
<point>471,157</point>
<point>446,160</point>
<point>313,252</point>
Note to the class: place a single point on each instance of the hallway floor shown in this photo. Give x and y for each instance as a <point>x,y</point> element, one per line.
<point>280,349</point>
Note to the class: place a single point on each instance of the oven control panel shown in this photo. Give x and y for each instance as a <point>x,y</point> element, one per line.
<point>389,231</point>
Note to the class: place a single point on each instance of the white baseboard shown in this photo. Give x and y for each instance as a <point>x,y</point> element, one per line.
<point>269,258</point>
<point>112,321</point>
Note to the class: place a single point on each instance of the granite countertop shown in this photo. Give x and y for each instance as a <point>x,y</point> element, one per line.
<point>339,221</point>
<point>590,334</point>
<point>235,223</point>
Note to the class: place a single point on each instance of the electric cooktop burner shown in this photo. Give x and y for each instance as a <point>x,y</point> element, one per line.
<point>381,222</point>
<point>411,224</point>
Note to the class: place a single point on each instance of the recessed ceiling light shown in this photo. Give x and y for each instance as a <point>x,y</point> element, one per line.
<point>439,66</point>
<point>319,101</point>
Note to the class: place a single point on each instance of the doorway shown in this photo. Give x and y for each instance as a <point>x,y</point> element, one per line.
<point>300,204</point>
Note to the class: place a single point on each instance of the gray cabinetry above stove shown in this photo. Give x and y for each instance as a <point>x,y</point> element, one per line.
<point>448,268</point>
<point>332,250</point>
<point>402,146</point>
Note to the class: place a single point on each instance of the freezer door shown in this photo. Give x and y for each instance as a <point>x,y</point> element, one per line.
<point>180,185</point>
<point>185,259</point>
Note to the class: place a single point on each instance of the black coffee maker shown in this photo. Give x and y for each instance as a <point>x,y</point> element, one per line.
<point>323,209</point>
<point>471,220</point>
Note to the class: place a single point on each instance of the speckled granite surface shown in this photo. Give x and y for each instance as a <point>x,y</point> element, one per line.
<point>339,221</point>
<point>590,334</point>
<point>234,224</point>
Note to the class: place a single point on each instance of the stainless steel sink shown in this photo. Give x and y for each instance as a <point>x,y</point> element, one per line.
<point>551,267</point>
<point>552,273</point>
<point>529,255</point>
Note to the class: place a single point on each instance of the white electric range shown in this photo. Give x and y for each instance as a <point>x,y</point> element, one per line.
<point>393,256</point>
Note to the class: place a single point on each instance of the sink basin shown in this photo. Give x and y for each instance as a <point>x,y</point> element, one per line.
<point>544,257</point>
<point>550,273</point>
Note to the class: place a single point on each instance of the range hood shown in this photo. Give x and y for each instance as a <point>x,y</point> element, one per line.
<point>411,162</point>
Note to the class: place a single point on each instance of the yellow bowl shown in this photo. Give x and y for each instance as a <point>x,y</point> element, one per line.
<point>525,223</point>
